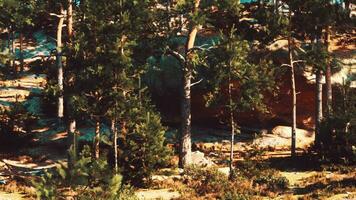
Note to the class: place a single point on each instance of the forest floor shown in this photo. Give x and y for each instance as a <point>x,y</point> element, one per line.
<point>48,147</point>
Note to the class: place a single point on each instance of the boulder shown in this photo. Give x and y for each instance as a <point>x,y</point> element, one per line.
<point>280,138</point>
<point>198,158</point>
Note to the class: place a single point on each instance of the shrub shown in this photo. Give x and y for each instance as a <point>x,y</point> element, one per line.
<point>205,181</point>
<point>212,183</point>
<point>143,149</point>
<point>252,164</point>
<point>272,181</point>
<point>15,125</point>
<point>338,131</point>
<point>87,179</point>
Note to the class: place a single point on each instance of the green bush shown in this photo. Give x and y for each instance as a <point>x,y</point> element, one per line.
<point>15,125</point>
<point>235,195</point>
<point>338,131</point>
<point>272,181</point>
<point>205,181</point>
<point>142,149</point>
<point>212,183</point>
<point>88,178</point>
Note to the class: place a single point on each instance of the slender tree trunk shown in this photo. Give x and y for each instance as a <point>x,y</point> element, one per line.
<point>329,97</point>
<point>232,123</point>
<point>13,63</point>
<point>318,99</point>
<point>114,132</point>
<point>70,19</point>
<point>60,66</point>
<point>72,121</point>
<point>294,94</point>
<point>294,105</point>
<point>9,39</point>
<point>185,157</point>
<point>73,138</point>
<point>319,106</point>
<point>21,53</point>
<point>97,140</point>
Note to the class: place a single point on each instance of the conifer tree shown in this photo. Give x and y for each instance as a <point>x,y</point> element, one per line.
<point>18,17</point>
<point>245,81</point>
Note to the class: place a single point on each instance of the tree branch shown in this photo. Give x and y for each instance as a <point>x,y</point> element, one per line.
<point>299,61</point>
<point>196,83</point>
<point>177,55</point>
<point>62,15</point>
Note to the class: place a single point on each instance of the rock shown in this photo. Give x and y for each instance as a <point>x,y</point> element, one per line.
<point>224,170</point>
<point>199,159</point>
<point>157,194</point>
<point>281,138</point>
<point>286,131</point>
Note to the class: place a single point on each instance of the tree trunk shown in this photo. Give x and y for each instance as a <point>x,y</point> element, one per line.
<point>329,97</point>
<point>294,105</point>
<point>70,19</point>
<point>9,39</point>
<point>232,123</point>
<point>60,66</point>
<point>185,157</point>
<point>21,53</point>
<point>97,140</point>
<point>70,118</point>
<point>318,98</point>
<point>294,94</point>
<point>319,107</point>
<point>13,51</point>
<point>72,135</point>
<point>114,132</point>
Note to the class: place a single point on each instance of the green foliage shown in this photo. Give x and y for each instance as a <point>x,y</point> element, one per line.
<point>17,14</point>
<point>205,181</point>
<point>338,135</point>
<point>252,164</point>
<point>229,63</point>
<point>144,149</point>
<point>214,184</point>
<point>87,179</point>
<point>272,181</point>
<point>16,124</point>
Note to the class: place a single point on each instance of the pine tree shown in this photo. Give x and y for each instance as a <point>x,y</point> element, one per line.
<point>18,17</point>
<point>245,81</point>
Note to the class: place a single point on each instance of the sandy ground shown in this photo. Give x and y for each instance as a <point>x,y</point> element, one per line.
<point>11,196</point>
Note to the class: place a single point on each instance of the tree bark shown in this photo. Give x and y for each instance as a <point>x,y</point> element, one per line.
<point>70,118</point>
<point>21,53</point>
<point>329,97</point>
<point>13,51</point>
<point>185,157</point>
<point>70,20</point>
<point>318,98</point>
<point>97,140</point>
<point>114,132</point>
<point>73,140</point>
<point>60,66</point>
<point>232,123</point>
<point>319,107</point>
<point>294,94</point>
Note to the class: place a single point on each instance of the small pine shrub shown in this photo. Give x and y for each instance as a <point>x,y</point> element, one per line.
<point>143,149</point>
<point>272,181</point>
<point>88,178</point>
<point>205,181</point>
<point>212,183</point>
